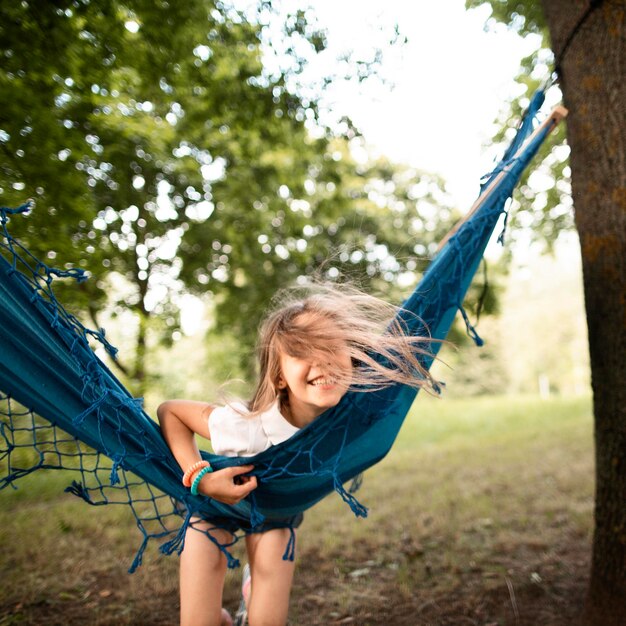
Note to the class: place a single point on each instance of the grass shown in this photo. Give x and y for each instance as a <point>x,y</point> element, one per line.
<point>481,514</point>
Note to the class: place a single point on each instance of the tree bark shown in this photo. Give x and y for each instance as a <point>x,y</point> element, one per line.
<point>593,81</point>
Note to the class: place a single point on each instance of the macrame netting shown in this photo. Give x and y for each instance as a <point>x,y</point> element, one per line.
<point>62,408</point>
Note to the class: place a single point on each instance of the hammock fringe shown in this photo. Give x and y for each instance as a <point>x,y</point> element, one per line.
<point>61,407</point>
<point>357,508</point>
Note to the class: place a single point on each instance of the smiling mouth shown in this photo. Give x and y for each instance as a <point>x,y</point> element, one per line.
<point>322,381</point>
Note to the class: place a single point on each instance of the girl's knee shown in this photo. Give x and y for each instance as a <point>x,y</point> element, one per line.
<point>202,545</point>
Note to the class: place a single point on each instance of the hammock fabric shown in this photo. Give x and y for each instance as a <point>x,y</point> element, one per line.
<point>62,408</point>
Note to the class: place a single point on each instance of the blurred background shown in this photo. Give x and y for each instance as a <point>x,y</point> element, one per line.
<point>194,157</point>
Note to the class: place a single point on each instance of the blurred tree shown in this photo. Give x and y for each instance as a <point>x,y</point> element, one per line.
<point>589,43</point>
<point>542,202</point>
<point>172,146</point>
<point>371,224</point>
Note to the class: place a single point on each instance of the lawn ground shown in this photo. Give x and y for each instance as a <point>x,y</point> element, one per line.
<point>481,514</point>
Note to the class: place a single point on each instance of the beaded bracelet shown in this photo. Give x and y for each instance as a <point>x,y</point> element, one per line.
<point>199,476</point>
<point>188,475</point>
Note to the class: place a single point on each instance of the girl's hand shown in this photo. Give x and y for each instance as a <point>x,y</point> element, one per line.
<point>221,485</point>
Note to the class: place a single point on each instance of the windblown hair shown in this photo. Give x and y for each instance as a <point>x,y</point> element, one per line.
<point>317,321</point>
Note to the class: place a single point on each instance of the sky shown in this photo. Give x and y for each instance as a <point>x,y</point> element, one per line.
<point>448,83</point>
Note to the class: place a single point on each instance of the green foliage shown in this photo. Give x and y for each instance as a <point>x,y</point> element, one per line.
<point>523,16</point>
<point>542,203</point>
<point>371,224</point>
<point>173,147</point>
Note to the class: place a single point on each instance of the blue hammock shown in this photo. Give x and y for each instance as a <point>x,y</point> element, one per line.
<point>58,399</point>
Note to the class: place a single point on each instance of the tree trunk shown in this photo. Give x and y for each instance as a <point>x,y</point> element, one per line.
<point>593,81</point>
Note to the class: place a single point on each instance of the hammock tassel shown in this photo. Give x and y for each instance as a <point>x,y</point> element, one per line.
<point>139,556</point>
<point>178,542</point>
<point>78,420</point>
<point>256,517</point>
<point>78,489</point>
<point>231,561</point>
<point>24,208</point>
<point>503,231</point>
<point>471,331</point>
<point>290,550</point>
<point>357,508</point>
<point>114,479</point>
<point>78,274</point>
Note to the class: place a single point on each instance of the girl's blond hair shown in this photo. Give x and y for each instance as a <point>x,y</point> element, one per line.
<point>316,321</point>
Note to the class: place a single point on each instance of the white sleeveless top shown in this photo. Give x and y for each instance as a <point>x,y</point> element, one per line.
<point>235,433</point>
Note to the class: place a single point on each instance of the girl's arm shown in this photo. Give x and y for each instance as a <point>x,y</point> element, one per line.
<point>180,421</point>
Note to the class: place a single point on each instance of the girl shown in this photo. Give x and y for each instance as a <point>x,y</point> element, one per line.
<point>312,348</point>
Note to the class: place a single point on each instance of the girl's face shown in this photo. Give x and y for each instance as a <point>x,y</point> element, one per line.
<point>313,387</point>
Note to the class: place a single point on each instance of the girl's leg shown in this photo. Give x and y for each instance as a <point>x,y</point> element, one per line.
<point>271,578</point>
<point>202,572</point>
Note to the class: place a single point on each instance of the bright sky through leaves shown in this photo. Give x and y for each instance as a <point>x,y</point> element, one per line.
<point>446,85</point>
